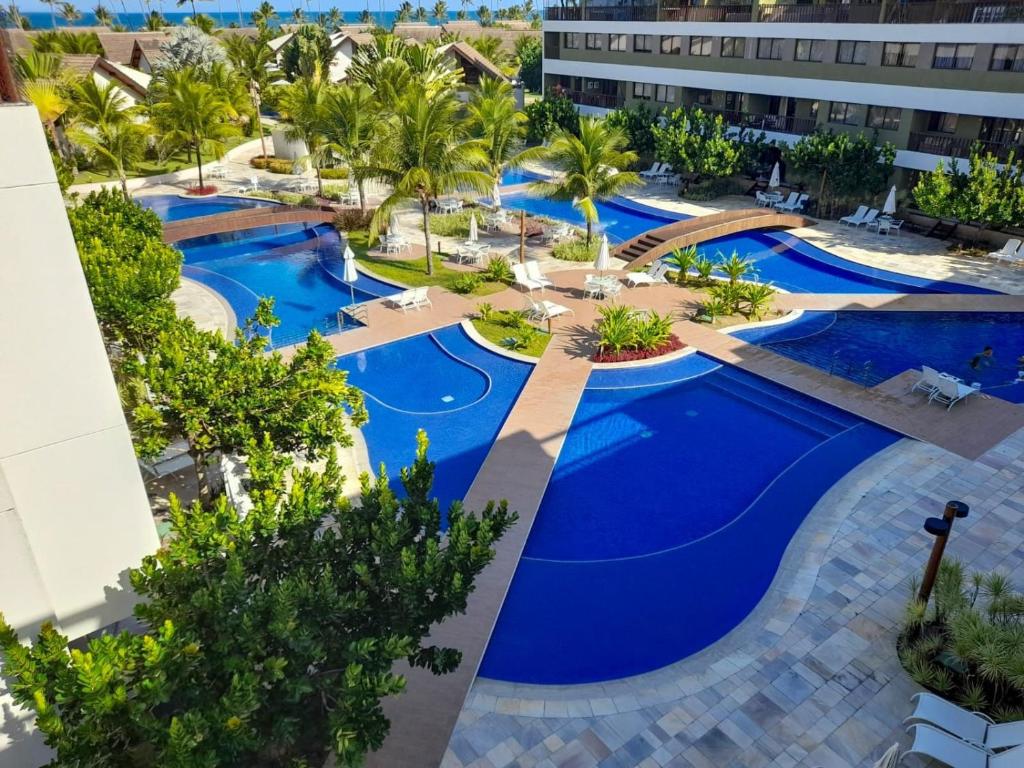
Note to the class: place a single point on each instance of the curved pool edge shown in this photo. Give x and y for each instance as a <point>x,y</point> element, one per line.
<point>773,615</point>
<point>474,335</point>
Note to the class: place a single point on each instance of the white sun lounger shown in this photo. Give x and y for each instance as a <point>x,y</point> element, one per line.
<point>974,727</point>
<point>523,278</point>
<point>654,274</point>
<point>414,298</point>
<point>1009,251</point>
<point>651,172</point>
<point>791,200</point>
<point>869,217</point>
<point>792,205</point>
<point>954,752</point>
<point>533,272</point>
<point>950,392</point>
<point>545,310</point>
<point>855,218</point>
<point>929,381</point>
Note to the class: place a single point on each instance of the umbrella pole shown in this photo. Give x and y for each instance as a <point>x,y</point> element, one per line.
<point>522,237</point>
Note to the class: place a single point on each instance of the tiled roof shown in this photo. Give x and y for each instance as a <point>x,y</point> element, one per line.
<point>79,63</point>
<point>118,46</point>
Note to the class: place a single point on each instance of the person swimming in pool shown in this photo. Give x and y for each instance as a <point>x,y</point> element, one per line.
<point>982,360</point>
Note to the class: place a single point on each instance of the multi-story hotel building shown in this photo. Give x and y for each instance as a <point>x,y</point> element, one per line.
<point>931,77</point>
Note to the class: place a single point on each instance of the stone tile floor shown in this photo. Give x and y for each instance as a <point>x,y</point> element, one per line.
<point>811,677</point>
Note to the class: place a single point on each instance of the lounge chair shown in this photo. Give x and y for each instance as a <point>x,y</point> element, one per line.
<point>974,727</point>
<point>1008,252</point>
<point>791,200</point>
<point>763,199</point>
<point>869,217</point>
<point>954,752</point>
<point>888,226</point>
<point>252,186</point>
<point>951,391</point>
<point>533,272</point>
<point>562,232</point>
<point>929,381</point>
<point>522,277</point>
<point>545,310</point>
<point>650,172</point>
<point>855,218</point>
<point>414,298</point>
<point>654,274</point>
<point>795,205</point>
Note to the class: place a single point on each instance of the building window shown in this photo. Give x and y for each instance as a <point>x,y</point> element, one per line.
<point>769,48</point>
<point>572,40</point>
<point>618,42</point>
<point>810,50</point>
<point>884,118</point>
<point>1007,58</point>
<point>942,122</point>
<point>949,56</point>
<point>702,97</point>
<point>643,91</point>
<point>846,114</point>
<point>666,94</point>
<point>812,110</point>
<point>672,44</point>
<point>852,52</point>
<point>900,54</point>
<point>733,47</point>
<point>1002,130</point>
<point>643,43</point>
<point>593,42</point>
<point>700,46</point>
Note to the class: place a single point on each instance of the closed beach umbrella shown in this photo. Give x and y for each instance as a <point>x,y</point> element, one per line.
<point>603,260</point>
<point>351,274</point>
<point>473,231</point>
<point>890,202</point>
<point>776,179</point>
<point>496,196</point>
<point>393,223</point>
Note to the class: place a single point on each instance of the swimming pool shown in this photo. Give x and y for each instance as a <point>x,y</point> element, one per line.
<point>300,266</point>
<point>797,266</point>
<point>176,208</point>
<point>518,176</point>
<point>676,492</point>
<point>892,342</point>
<point>445,383</point>
<point>621,219</point>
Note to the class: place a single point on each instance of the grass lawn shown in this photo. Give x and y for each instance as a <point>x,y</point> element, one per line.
<point>496,333</point>
<point>175,162</point>
<point>413,272</point>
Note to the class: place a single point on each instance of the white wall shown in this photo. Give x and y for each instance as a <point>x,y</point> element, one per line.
<point>73,511</point>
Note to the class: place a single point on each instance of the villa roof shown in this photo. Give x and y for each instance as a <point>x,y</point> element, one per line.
<point>80,64</point>
<point>418,32</point>
<point>119,46</point>
<point>280,41</point>
<point>132,79</point>
<point>507,37</point>
<point>467,54</point>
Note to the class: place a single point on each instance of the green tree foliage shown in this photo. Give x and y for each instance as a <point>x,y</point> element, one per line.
<point>130,271</point>
<point>222,395</point>
<point>989,193</point>
<point>694,141</point>
<point>494,119</point>
<point>638,124</point>
<point>352,123</point>
<point>250,58</point>
<point>264,16</point>
<point>65,173</point>
<point>189,47</point>
<point>530,54</point>
<point>119,146</point>
<point>268,639</point>
<point>553,113</point>
<point>64,41</point>
<point>591,167</point>
<point>303,106</point>
<point>309,48</point>
<point>849,168</point>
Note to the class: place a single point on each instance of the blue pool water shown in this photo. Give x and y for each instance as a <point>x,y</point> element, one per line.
<point>175,208</point>
<point>511,176</point>
<point>300,267</point>
<point>895,341</point>
<point>677,490</point>
<point>799,267</point>
<point>621,219</point>
<point>445,383</point>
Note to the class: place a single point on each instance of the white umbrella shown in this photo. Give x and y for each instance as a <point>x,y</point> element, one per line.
<point>393,223</point>
<point>351,274</point>
<point>890,202</point>
<point>474,233</point>
<point>603,260</point>
<point>496,196</point>
<point>776,179</point>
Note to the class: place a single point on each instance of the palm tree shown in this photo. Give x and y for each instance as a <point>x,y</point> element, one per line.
<point>119,146</point>
<point>11,17</point>
<point>298,15</point>
<point>203,22</point>
<point>96,104</point>
<point>462,14</point>
<point>303,107</point>
<point>404,12</point>
<point>155,22</point>
<point>45,83</point>
<point>264,15</point>
<point>334,18</point>
<point>484,14</point>
<point>53,15</point>
<point>351,125</point>
<point>365,17</point>
<point>103,17</point>
<point>192,113</point>
<point>250,58</point>
<point>440,12</point>
<point>494,119</point>
<point>49,101</point>
<point>489,47</point>
<point>179,3</point>
<point>421,13</point>
<point>70,13</point>
<point>592,167</point>
<point>424,154</point>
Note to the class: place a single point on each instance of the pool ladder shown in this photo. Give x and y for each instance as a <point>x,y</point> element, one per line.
<point>863,375</point>
<point>357,312</point>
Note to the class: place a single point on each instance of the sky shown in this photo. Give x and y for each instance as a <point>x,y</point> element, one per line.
<point>134,6</point>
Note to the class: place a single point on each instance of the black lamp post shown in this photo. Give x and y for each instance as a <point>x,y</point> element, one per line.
<point>940,528</point>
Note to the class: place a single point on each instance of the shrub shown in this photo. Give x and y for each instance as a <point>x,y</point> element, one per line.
<point>451,224</point>
<point>260,162</point>
<point>683,259</point>
<point>575,250</point>
<point>547,115</point>
<point>625,334</point>
<point>710,189</point>
<point>340,172</point>
<point>272,164</point>
<point>352,219</point>
<point>498,270</point>
<point>466,283</point>
<point>335,191</point>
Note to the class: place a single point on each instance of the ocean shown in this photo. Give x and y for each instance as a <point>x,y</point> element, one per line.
<point>223,14</point>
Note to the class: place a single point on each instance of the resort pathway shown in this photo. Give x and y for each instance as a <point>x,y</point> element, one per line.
<point>901,302</point>
<point>969,429</point>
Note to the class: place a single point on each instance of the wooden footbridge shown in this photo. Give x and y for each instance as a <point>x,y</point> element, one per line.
<point>246,218</point>
<point>654,243</point>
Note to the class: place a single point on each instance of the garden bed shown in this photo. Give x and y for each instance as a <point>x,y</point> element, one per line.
<point>630,355</point>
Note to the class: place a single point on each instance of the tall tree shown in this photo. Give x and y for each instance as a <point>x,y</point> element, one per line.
<point>120,146</point>
<point>404,12</point>
<point>424,154</point>
<point>501,128</point>
<point>193,114</point>
<point>96,104</point>
<point>334,18</point>
<point>303,108</point>
<point>440,11</point>
<point>264,15</point>
<point>180,3</point>
<point>592,167</point>
<point>849,167</point>
<point>308,50</point>
<point>421,14</point>
<point>11,16</point>
<point>103,17</point>
<point>70,13</point>
<point>696,142</point>
<point>268,639</point>
<point>250,58</point>
<point>352,123</point>
<point>483,13</point>
<point>530,55</point>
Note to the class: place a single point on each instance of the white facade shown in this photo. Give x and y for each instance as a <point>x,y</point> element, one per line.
<point>73,510</point>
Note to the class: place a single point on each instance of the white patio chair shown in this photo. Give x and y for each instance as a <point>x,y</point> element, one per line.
<point>795,205</point>
<point>929,381</point>
<point>788,201</point>
<point>1007,252</point>
<point>546,310</point>
<point>975,727</point>
<point>951,391</point>
<point>652,172</point>
<point>523,278</point>
<point>414,298</point>
<point>533,272</point>
<point>855,218</point>
<point>655,274</point>
<point>762,199</point>
<point>954,752</point>
<point>869,217</point>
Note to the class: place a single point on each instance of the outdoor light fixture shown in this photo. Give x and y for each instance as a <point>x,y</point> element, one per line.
<point>940,528</point>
